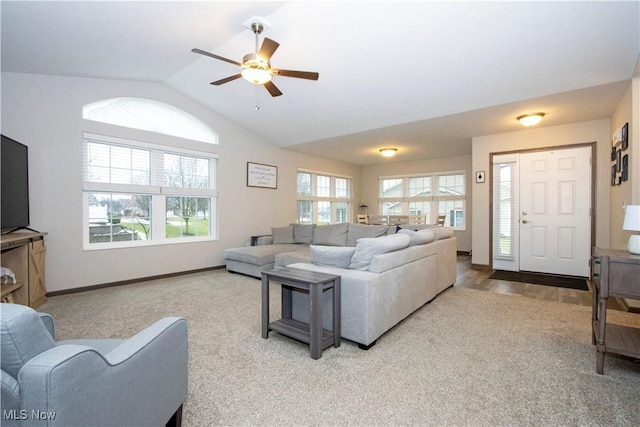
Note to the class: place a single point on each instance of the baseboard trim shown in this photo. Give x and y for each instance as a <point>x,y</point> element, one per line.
<point>130,281</point>
<point>480,267</point>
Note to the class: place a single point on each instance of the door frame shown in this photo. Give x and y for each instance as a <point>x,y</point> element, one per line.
<point>539,149</point>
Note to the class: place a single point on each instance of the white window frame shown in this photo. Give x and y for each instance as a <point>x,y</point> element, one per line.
<point>332,198</point>
<point>434,199</point>
<point>158,192</point>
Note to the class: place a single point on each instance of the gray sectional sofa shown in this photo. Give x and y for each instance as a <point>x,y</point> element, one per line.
<point>387,272</point>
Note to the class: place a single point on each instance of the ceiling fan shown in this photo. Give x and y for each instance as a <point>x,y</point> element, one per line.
<point>256,66</point>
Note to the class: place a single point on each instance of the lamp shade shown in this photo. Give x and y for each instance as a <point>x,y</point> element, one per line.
<point>632,223</point>
<point>632,218</point>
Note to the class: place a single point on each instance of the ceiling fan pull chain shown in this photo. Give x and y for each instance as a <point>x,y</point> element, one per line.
<point>257,107</point>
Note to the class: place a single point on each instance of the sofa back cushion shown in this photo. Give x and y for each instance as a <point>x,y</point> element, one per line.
<point>303,233</point>
<point>443,232</point>
<point>359,231</point>
<point>332,256</point>
<point>331,235</point>
<point>282,235</point>
<point>368,247</point>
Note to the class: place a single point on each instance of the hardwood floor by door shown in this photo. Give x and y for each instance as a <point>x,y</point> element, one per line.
<point>479,279</point>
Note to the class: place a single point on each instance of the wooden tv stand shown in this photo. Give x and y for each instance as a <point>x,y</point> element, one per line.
<point>23,253</point>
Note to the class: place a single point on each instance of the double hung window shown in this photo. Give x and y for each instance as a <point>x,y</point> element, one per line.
<point>430,195</point>
<point>323,198</point>
<point>136,193</point>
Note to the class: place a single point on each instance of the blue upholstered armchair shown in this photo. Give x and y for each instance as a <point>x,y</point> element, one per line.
<point>141,381</point>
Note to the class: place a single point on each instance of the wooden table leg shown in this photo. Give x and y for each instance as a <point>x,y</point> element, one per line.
<point>336,312</point>
<point>265,306</point>
<point>315,320</point>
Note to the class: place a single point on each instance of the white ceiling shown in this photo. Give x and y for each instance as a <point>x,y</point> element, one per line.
<point>421,76</point>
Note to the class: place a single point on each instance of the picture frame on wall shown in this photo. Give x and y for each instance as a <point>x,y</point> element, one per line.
<point>625,167</point>
<point>619,160</point>
<point>614,175</point>
<point>625,136</point>
<point>480,177</point>
<point>263,176</point>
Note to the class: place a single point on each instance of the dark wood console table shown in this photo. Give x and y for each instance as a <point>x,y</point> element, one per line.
<point>315,284</point>
<point>614,273</point>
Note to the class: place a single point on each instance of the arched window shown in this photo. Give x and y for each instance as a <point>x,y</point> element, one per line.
<point>150,115</point>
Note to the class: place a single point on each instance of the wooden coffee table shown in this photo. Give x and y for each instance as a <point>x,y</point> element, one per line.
<point>315,284</point>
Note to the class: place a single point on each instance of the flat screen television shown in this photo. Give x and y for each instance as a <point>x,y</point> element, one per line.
<point>14,185</point>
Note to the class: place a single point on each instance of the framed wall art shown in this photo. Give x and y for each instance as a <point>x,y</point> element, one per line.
<point>263,176</point>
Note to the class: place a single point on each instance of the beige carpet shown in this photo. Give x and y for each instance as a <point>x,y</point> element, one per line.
<point>468,358</point>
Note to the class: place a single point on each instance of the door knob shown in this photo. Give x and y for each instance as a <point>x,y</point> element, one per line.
<point>524,221</point>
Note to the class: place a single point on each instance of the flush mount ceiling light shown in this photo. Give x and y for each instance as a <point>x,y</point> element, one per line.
<point>530,119</point>
<point>388,152</point>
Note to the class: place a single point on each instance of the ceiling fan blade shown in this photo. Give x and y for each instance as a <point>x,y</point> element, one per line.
<point>273,90</point>
<point>268,48</point>
<point>226,80</point>
<point>309,75</point>
<point>213,55</point>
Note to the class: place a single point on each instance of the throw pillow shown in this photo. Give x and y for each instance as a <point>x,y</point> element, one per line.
<point>333,256</point>
<point>303,233</point>
<point>282,234</point>
<point>331,235</point>
<point>443,232</point>
<point>369,247</point>
<point>419,237</point>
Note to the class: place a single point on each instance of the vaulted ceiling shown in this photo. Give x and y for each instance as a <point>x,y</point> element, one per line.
<point>421,76</point>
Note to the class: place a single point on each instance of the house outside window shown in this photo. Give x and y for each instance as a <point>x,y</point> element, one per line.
<point>137,194</point>
<point>323,198</point>
<point>429,195</point>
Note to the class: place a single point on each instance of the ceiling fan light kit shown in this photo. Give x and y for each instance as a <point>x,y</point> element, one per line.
<point>530,119</point>
<point>256,67</point>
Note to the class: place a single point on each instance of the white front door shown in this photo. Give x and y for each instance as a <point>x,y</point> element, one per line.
<point>555,211</point>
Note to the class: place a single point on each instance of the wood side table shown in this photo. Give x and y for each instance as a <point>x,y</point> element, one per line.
<point>613,273</point>
<point>313,332</point>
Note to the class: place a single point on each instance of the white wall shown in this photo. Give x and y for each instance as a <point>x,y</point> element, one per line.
<point>45,113</point>
<point>372,173</point>
<point>584,132</point>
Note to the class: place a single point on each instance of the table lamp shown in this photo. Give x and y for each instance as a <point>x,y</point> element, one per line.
<point>632,222</point>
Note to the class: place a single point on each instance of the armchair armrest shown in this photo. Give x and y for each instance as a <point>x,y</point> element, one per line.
<point>263,239</point>
<point>48,323</point>
<point>142,381</point>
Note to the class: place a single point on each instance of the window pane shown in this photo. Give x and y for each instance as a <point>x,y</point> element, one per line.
<point>391,208</point>
<point>453,211</point>
<point>452,185</point>
<point>342,187</point>
<point>342,212</point>
<point>119,217</point>
<point>186,171</point>
<point>420,186</point>
<point>304,184</point>
<point>391,188</point>
<point>323,185</point>
<point>188,216</point>
<point>117,165</point>
<point>420,208</point>
<point>504,218</point>
<point>305,212</point>
<point>324,213</point>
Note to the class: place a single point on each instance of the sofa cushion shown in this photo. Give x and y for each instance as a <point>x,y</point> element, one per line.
<point>331,235</point>
<point>333,256</point>
<point>303,254</point>
<point>367,248</point>
<point>419,237</point>
<point>359,231</point>
<point>258,255</point>
<point>303,233</point>
<point>282,235</point>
